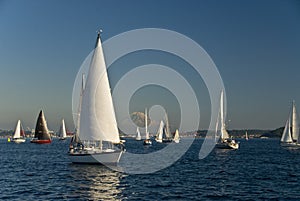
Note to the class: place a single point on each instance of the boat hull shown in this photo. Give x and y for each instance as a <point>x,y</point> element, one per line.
<point>96,158</point>
<point>40,141</point>
<point>147,142</point>
<point>19,140</point>
<point>288,144</point>
<point>226,145</point>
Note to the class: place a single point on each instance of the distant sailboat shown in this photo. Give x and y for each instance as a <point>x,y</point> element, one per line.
<point>159,134</point>
<point>225,141</point>
<point>290,135</point>
<point>62,130</point>
<point>19,135</point>
<point>167,137</point>
<point>138,134</point>
<point>147,141</point>
<point>97,132</point>
<point>41,135</point>
<point>176,138</point>
<point>246,136</point>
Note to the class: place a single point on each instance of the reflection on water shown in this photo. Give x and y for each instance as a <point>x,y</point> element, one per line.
<point>94,182</point>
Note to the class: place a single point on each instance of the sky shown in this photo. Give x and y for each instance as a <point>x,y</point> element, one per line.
<point>254,44</point>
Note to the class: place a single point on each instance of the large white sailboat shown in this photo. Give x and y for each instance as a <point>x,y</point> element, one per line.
<point>290,135</point>
<point>225,142</point>
<point>19,135</point>
<point>97,138</point>
<point>62,130</point>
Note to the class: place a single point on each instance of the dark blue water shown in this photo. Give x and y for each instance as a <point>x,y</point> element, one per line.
<point>259,170</point>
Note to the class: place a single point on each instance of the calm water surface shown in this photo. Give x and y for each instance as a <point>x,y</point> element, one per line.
<point>259,170</point>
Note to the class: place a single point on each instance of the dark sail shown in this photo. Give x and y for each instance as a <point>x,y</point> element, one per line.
<point>41,130</point>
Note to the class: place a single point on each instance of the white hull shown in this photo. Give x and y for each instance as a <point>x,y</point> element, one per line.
<point>288,144</point>
<point>158,140</point>
<point>138,138</point>
<point>176,141</point>
<point>227,145</point>
<point>147,142</point>
<point>96,158</point>
<point>19,140</point>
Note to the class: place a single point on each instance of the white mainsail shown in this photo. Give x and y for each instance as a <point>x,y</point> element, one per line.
<point>17,133</point>
<point>160,131</point>
<point>224,133</point>
<point>167,128</point>
<point>295,123</point>
<point>62,129</point>
<point>286,135</point>
<point>176,136</point>
<point>138,134</point>
<point>97,117</point>
<point>146,125</point>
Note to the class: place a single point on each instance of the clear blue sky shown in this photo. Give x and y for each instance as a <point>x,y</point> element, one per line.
<point>255,45</point>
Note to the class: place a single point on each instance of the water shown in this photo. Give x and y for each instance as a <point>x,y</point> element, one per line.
<point>259,170</point>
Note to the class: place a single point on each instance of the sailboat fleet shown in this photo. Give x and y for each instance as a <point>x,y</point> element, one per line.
<point>96,139</point>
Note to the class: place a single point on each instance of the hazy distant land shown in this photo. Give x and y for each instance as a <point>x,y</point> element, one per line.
<point>252,133</point>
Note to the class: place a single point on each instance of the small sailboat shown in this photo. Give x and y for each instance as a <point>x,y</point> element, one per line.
<point>62,130</point>
<point>97,137</point>
<point>176,138</point>
<point>19,135</point>
<point>246,136</point>
<point>41,135</point>
<point>167,136</point>
<point>147,141</point>
<point>290,135</point>
<point>160,131</point>
<point>138,134</point>
<point>225,142</point>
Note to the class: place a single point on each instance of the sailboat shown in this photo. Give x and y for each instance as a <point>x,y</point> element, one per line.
<point>147,141</point>
<point>246,136</point>
<point>62,130</point>
<point>167,137</point>
<point>225,142</point>
<point>19,135</point>
<point>290,135</point>
<point>41,135</point>
<point>176,138</point>
<point>159,134</point>
<point>97,134</point>
<point>138,134</point>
